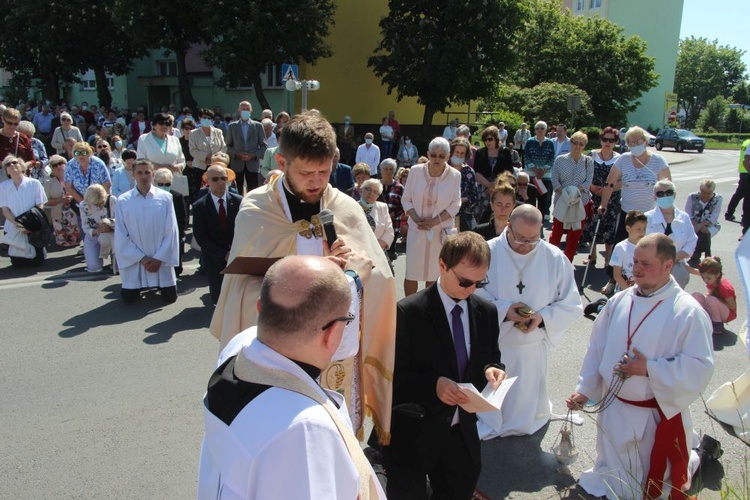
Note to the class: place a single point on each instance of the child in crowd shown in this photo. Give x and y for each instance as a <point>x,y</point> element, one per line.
<point>622,257</point>
<point>720,302</point>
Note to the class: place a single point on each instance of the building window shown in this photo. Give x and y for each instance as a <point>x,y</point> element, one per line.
<point>166,68</point>
<point>579,5</point>
<point>88,81</point>
<point>270,79</point>
<point>595,4</point>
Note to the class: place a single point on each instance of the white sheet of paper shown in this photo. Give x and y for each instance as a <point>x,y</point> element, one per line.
<point>489,399</point>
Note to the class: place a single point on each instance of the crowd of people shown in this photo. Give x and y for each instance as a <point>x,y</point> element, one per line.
<point>325,217</point>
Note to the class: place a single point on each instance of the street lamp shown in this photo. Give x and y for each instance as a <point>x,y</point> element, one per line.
<point>304,85</point>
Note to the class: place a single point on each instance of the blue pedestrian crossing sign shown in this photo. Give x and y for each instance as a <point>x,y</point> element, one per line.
<point>289,72</point>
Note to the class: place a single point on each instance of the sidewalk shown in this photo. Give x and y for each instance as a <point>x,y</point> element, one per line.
<point>674,158</point>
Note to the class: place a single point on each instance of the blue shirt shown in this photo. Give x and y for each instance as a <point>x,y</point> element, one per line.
<point>539,156</point>
<point>97,173</point>
<point>341,177</point>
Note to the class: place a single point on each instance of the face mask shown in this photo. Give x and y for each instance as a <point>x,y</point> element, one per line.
<point>368,141</point>
<point>118,144</point>
<point>365,204</point>
<point>206,122</point>
<point>165,188</point>
<point>638,150</point>
<point>456,161</point>
<point>347,122</point>
<point>665,202</point>
<point>245,114</point>
<point>407,142</point>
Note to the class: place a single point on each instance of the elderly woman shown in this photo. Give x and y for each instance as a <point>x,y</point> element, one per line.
<point>377,212</point>
<point>13,142</point>
<point>63,218</point>
<point>673,222</point>
<point>123,179</point>
<point>20,194</point>
<point>84,170</point>
<point>163,178</point>
<point>391,195</point>
<point>704,208</point>
<point>402,174</point>
<point>459,152</point>
<point>161,148</point>
<point>635,174</point>
<point>463,131</point>
<point>65,131</point>
<point>526,192</point>
<point>205,141</point>
<point>118,147</point>
<point>360,172</point>
<point>432,199</point>
<point>502,203</point>
<point>407,153</point>
<point>38,169</point>
<point>571,179</point>
<point>604,158</point>
<point>97,215</point>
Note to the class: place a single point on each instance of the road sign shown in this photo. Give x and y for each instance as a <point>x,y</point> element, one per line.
<point>289,72</point>
<point>673,115</point>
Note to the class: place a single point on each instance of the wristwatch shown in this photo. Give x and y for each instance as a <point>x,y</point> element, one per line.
<point>351,273</point>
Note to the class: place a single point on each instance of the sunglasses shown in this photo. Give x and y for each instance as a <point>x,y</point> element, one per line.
<point>464,283</point>
<point>217,179</point>
<point>489,139</point>
<point>12,124</point>
<point>58,164</point>
<point>346,320</point>
<point>433,155</point>
<point>609,139</point>
<point>101,147</point>
<point>80,153</point>
<point>163,184</point>
<point>65,119</point>
<point>662,194</point>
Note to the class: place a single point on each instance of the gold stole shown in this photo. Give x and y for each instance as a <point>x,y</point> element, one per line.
<point>252,372</point>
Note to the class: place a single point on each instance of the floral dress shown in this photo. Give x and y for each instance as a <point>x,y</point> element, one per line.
<point>608,226</point>
<point>470,191</point>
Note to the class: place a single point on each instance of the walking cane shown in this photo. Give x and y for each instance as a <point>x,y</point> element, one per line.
<point>592,253</point>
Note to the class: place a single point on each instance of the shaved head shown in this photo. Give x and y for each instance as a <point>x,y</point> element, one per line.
<point>527,214</point>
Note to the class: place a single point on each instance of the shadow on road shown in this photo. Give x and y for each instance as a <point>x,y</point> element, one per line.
<point>198,318</point>
<point>726,339</point>
<point>518,464</point>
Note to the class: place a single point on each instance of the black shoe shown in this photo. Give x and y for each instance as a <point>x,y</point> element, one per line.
<point>694,263</point>
<point>594,307</point>
<point>709,450</point>
<point>729,216</point>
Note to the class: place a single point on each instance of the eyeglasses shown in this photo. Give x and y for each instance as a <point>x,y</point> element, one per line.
<point>217,179</point>
<point>608,139</point>
<point>442,157</point>
<point>164,184</point>
<point>523,242</point>
<point>464,283</point>
<point>11,124</point>
<point>489,139</point>
<point>58,164</point>
<point>102,147</point>
<point>65,119</point>
<point>346,320</point>
<point>369,190</point>
<point>662,194</point>
<point>579,144</point>
<point>80,153</point>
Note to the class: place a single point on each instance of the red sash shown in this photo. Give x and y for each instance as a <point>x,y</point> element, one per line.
<point>669,444</point>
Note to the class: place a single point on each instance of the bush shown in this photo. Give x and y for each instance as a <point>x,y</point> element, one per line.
<point>724,136</point>
<point>512,122</point>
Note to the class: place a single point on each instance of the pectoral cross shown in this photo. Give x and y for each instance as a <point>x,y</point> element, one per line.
<point>520,286</point>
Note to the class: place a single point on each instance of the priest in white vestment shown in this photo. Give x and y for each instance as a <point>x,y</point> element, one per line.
<point>271,430</point>
<point>146,237</point>
<point>526,271</point>
<point>660,338</point>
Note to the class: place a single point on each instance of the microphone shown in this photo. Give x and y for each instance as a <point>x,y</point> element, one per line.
<point>326,219</point>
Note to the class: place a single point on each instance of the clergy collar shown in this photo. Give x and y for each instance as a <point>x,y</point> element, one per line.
<point>298,209</point>
<point>312,371</point>
<point>659,291</point>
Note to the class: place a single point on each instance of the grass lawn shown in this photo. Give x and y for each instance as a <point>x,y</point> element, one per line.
<point>723,145</point>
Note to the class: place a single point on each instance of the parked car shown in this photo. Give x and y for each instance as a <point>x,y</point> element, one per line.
<point>679,139</point>
<point>651,138</point>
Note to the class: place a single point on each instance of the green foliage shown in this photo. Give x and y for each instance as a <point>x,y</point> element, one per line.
<point>705,70</point>
<point>589,53</point>
<point>511,120</point>
<point>255,34</point>
<point>546,101</point>
<point>732,123</point>
<point>446,52</point>
<point>17,88</point>
<point>712,118</point>
<point>741,92</point>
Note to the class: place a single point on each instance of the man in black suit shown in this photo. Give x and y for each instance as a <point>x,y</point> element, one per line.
<point>444,335</point>
<point>213,226</point>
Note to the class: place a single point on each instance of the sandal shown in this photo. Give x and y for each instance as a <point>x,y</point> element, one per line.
<point>608,289</point>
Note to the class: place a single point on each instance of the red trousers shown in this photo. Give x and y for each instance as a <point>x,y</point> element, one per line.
<point>571,242</point>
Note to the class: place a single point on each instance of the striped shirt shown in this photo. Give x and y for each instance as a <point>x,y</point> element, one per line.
<point>638,182</point>
<point>569,172</point>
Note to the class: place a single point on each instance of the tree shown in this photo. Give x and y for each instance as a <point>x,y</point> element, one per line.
<point>741,93</point>
<point>590,53</point>
<point>713,116</point>
<point>282,31</point>
<point>446,52</point>
<point>705,70</point>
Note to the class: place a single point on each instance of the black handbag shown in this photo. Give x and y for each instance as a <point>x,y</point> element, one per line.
<point>35,220</point>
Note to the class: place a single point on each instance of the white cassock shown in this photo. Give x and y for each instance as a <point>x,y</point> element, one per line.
<point>550,289</point>
<point>280,445</point>
<point>676,340</point>
<point>146,226</point>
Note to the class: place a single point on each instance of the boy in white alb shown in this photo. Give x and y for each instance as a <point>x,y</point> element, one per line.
<point>622,255</point>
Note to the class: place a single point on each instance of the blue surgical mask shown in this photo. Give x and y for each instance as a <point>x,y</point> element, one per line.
<point>365,204</point>
<point>206,122</point>
<point>347,122</point>
<point>638,150</point>
<point>368,141</point>
<point>245,114</point>
<point>118,144</point>
<point>665,202</point>
<point>456,161</point>
<point>407,142</point>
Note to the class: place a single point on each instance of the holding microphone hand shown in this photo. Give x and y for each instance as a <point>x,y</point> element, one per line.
<point>339,252</point>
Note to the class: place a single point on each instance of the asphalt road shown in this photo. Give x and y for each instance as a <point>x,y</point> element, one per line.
<point>100,399</point>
